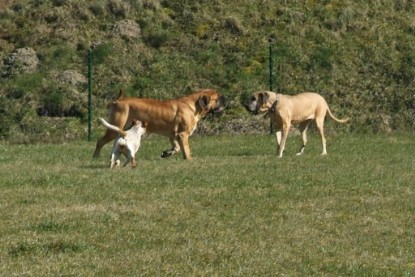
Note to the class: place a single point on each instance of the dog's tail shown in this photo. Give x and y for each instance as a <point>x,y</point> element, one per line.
<point>115,101</point>
<point>120,94</point>
<point>112,127</point>
<point>344,120</point>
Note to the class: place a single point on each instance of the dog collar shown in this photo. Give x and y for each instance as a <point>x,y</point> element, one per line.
<point>272,109</point>
<point>274,105</point>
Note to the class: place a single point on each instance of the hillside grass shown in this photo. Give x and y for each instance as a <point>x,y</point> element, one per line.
<point>235,210</point>
<point>358,54</point>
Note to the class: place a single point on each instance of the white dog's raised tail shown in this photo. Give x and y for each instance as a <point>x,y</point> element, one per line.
<point>112,127</point>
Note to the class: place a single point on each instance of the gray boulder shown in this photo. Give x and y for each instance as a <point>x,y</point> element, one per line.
<point>73,78</point>
<point>127,29</point>
<point>23,60</point>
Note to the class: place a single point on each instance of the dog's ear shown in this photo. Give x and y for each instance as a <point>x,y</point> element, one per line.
<point>144,124</point>
<point>203,102</point>
<point>133,122</point>
<point>260,99</point>
<point>265,97</point>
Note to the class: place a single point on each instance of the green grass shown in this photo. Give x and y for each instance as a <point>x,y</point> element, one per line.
<point>235,210</point>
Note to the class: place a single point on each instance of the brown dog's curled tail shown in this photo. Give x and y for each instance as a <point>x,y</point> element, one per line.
<point>120,94</point>
<point>119,97</point>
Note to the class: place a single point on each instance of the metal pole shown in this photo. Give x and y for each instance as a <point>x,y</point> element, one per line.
<point>89,93</point>
<point>270,79</point>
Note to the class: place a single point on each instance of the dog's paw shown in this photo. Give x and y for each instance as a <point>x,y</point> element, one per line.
<point>166,154</point>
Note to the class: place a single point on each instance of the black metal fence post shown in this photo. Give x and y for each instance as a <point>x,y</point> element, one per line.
<point>270,63</point>
<point>89,94</point>
<point>270,78</point>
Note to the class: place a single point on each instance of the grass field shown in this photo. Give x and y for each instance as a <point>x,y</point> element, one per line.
<point>235,210</point>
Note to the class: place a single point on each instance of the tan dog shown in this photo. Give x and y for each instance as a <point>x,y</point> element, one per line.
<point>127,143</point>
<point>175,118</point>
<point>285,110</point>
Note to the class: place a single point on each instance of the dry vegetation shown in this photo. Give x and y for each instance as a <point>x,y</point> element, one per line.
<point>359,55</point>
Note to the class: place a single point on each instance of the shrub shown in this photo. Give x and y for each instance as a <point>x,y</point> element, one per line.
<point>157,38</point>
<point>97,9</point>
<point>118,8</point>
<point>51,104</point>
<point>101,53</point>
<point>58,56</point>
<point>233,24</point>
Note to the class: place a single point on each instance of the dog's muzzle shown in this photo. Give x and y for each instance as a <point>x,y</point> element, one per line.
<point>220,105</point>
<point>251,107</point>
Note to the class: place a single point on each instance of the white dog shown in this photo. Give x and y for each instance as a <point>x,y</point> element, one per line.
<point>127,143</point>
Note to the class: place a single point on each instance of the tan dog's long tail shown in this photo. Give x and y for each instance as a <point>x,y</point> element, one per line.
<point>112,127</point>
<point>344,120</point>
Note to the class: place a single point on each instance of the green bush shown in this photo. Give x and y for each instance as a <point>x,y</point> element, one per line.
<point>52,104</point>
<point>101,53</point>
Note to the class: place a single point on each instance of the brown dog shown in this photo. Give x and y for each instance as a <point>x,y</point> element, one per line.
<point>174,118</point>
<point>285,110</point>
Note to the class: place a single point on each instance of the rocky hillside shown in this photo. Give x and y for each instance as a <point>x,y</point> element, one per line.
<point>360,55</point>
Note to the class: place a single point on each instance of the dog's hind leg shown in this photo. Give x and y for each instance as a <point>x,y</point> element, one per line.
<point>130,159</point>
<point>127,160</point>
<point>114,160</point>
<point>109,135</point>
<point>133,162</point>
<point>320,128</point>
<point>303,129</point>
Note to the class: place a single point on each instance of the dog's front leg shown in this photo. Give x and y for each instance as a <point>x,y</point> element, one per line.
<point>184,143</point>
<point>278,135</point>
<point>284,135</point>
